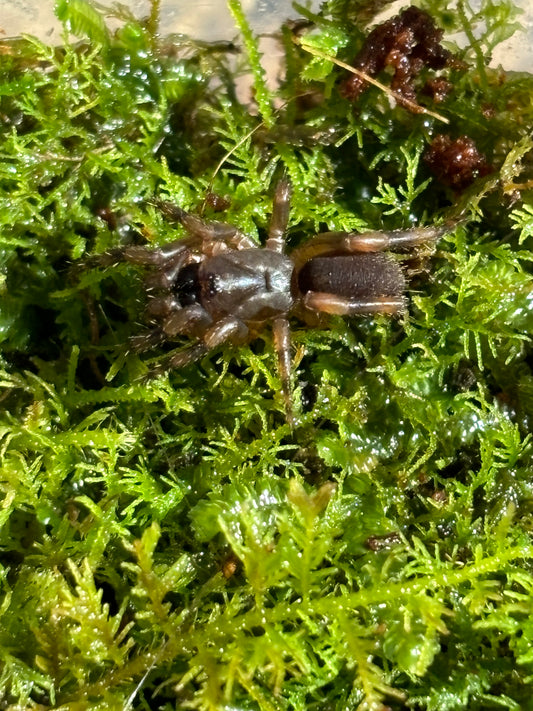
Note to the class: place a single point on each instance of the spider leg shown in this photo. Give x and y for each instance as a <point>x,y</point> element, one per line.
<point>350,242</point>
<point>163,276</point>
<point>228,329</point>
<point>180,359</point>
<point>165,262</point>
<point>213,236</point>
<point>159,308</point>
<point>282,344</point>
<point>347,306</point>
<point>192,320</point>
<point>280,216</point>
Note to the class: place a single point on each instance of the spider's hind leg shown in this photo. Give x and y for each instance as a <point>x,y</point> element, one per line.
<point>366,242</point>
<point>353,306</point>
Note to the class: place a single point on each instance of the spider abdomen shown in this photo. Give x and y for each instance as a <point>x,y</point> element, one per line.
<point>354,275</point>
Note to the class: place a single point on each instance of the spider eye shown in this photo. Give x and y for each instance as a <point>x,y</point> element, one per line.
<point>187,286</point>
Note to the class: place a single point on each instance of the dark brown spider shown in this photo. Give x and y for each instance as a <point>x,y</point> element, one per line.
<point>216,285</point>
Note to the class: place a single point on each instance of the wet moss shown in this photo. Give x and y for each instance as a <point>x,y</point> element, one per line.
<point>175,544</point>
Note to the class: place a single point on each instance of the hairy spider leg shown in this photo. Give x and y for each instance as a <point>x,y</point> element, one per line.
<point>227,329</point>
<point>280,216</point>
<point>282,344</point>
<point>179,359</point>
<point>173,254</point>
<point>166,261</point>
<point>192,320</point>
<point>351,242</point>
<point>347,306</point>
<point>211,237</point>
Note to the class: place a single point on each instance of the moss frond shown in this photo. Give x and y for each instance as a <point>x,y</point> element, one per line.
<point>175,543</point>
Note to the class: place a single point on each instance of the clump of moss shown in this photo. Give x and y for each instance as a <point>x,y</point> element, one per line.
<point>174,544</point>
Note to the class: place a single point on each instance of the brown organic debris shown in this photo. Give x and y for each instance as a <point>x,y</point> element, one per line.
<point>407,43</point>
<point>456,162</point>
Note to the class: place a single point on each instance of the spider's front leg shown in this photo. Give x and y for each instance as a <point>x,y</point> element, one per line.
<point>211,237</point>
<point>192,320</point>
<point>164,262</point>
<point>227,329</point>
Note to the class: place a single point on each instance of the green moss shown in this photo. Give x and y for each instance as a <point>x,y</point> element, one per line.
<point>174,544</point>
